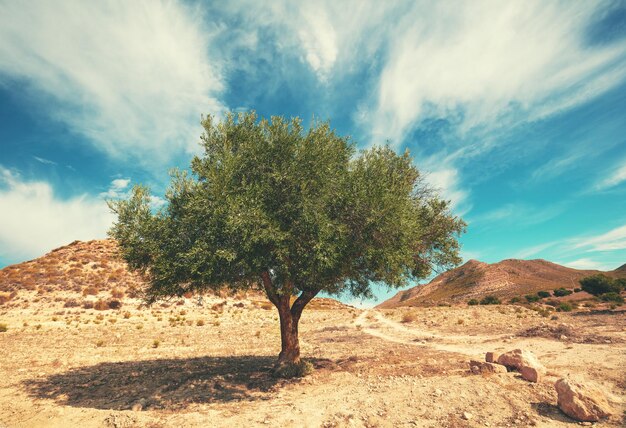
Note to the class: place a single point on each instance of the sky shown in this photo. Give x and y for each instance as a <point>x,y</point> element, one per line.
<point>515,111</point>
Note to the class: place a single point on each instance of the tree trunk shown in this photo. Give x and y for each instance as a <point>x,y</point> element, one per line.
<point>290,344</point>
<point>289,317</point>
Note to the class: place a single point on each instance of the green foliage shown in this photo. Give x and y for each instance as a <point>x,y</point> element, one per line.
<point>564,307</point>
<point>290,370</point>
<point>560,292</point>
<point>600,284</point>
<point>301,207</point>
<point>515,300</point>
<point>612,297</point>
<point>472,302</point>
<point>577,290</point>
<point>531,298</point>
<point>490,300</point>
<point>543,294</point>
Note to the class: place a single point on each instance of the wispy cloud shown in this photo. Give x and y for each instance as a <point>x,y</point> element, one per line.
<point>447,182</point>
<point>587,264</point>
<point>133,77</point>
<point>614,178</point>
<point>486,64</point>
<point>614,239</point>
<point>44,161</point>
<point>38,220</point>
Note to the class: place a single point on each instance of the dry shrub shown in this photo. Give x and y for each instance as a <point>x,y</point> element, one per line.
<point>90,291</point>
<point>87,304</point>
<point>408,317</point>
<point>114,304</point>
<point>101,305</point>
<point>188,295</point>
<point>117,293</point>
<point>4,297</point>
<point>71,303</point>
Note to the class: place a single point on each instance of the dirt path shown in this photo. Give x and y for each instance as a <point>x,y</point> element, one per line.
<point>376,324</point>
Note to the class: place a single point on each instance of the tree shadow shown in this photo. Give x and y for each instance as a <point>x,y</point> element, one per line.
<point>162,384</point>
<point>550,411</point>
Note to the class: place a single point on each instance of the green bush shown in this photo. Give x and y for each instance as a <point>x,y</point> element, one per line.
<point>490,300</point>
<point>601,284</point>
<point>564,307</point>
<point>472,302</point>
<point>612,297</point>
<point>515,300</point>
<point>532,298</point>
<point>543,294</point>
<point>560,292</point>
<point>577,290</point>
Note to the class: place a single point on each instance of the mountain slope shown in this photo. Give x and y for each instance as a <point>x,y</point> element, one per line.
<point>506,279</point>
<point>83,272</point>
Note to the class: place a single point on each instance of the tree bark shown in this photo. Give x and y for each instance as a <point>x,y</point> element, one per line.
<point>289,342</point>
<point>289,318</point>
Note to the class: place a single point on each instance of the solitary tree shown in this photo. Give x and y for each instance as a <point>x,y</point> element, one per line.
<point>601,284</point>
<point>289,211</point>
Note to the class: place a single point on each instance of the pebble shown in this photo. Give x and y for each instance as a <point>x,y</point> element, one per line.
<point>467,416</point>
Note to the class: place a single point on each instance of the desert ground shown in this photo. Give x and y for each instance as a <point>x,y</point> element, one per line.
<point>183,364</point>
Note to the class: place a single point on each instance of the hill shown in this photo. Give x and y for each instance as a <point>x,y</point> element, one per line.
<point>83,273</point>
<point>506,279</point>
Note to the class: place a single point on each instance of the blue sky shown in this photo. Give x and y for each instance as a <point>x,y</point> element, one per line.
<point>515,110</point>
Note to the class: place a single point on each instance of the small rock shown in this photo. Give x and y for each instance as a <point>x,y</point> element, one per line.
<point>438,392</point>
<point>582,401</point>
<point>467,416</point>
<point>492,357</point>
<point>563,337</point>
<point>478,367</point>
<point>525,362</point>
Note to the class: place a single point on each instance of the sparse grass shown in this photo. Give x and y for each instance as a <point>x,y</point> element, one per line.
<point>139,326</point>
<point>156,343</point>
<point>200,323</point>
<point>3,328</point>
<point>126,315</point>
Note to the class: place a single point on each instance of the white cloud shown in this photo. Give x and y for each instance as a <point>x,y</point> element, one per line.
<point>489,64</point>
<point>34,220</point>
<point>133,77</point>
<point>617,176</point>
<point>447,182</point>
<point>118,189</point>
<point>44,161</point>
<point>587,264</point>
<point>614,239</point>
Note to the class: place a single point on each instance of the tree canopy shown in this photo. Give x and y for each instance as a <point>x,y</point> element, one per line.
<point>291,211</point>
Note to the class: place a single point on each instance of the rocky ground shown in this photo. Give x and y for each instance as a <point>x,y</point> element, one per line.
<point>198,366</point>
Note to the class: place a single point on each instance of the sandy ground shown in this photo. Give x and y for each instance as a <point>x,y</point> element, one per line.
<point>375,368</point>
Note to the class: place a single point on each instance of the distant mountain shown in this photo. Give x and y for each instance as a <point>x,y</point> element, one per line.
<point>506,279</point>
<point>88,271</point>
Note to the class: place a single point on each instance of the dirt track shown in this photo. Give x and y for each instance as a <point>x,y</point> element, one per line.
<point>371,368</point>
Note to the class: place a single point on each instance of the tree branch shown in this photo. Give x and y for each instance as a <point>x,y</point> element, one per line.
<point>270,291</point>
<point>303,299</point>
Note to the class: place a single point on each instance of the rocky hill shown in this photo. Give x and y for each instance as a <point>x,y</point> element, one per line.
<point>88,273</point>
<point>506,279</point>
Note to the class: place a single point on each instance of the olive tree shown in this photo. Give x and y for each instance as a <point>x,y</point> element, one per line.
<point>292,212</point>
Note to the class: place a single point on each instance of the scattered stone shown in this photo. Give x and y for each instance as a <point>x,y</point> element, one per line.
<point>492,357</point>
<point>438,392</point>
<point>582,401</point>
<point>525,362</point>
<point>467,416</point>
<point>139,405</point>
<point>478,367</point>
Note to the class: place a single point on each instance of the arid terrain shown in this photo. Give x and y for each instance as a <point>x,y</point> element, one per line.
<point>206,362</point>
